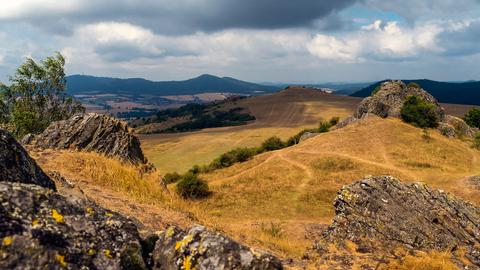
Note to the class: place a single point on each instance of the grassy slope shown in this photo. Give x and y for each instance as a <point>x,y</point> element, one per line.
<point>282,114</point>
<point>276,199</point>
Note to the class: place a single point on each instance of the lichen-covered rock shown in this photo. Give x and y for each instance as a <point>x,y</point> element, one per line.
<point>202,249</point>
<point>17,166</point>
<point>308,135</point>
<point>93,132</point>
<point>389,100</point>
<point>454,127</point>
<point>40,229</point>
<point>382,213</point>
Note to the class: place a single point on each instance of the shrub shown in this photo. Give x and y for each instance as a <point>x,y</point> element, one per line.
<point>170,178</point>
<point>414,85</point>
<point>472,118</point>
<point>419,112</point>
<point>192,187</point>
<point>334,120</point>
<point>476,141</point>
<point>271,144</point>
<point>426,135</point>
<point>324,126</point>
<point>232,157</point>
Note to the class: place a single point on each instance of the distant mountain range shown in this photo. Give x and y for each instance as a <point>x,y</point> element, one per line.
<point>446,92</point>
<point>82,84</point>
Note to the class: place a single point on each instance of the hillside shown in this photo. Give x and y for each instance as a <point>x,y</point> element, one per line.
<point>81,84</point>
<point>446,92</point>
<point>281,114</point>
<point>280,201</point>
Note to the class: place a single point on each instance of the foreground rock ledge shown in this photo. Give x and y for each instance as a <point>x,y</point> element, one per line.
<point>40,229</point>
<point>381,213</point>
<point>203,249</point>
<point>92,132</point>
<point>17,166</point>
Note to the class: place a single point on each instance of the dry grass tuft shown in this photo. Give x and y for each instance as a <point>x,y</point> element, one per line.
<point>426,261</point>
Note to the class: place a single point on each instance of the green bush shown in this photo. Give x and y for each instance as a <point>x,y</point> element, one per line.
<point>476,141</point>
<point>170,178</point>
<point>472,118</point>
<point>414,85</point>
<point>334,120</point>
<point>419,112</point>
<point>192,187</point>
<point>324,126</point>
<point>272,144</point>
<point>232,157</point>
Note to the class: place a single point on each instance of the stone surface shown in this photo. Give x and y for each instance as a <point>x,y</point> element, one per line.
<point>40,229</point>
<point>17,166</point>
<point>202,249</point>
<point>454,127</point>
<point>381,213</point>
<point>308,135</point>
<point>93,132</point>
<point>388,101</point>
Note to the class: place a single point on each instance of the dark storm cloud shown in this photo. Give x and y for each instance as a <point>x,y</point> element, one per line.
<point>461,42</point>
<point>187,16</point>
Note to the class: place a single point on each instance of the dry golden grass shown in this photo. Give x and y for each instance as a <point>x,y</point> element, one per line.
<point>426,261</point>
<point>282,114</point>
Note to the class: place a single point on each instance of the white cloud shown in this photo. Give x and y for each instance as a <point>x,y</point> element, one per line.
<point>380,41</point>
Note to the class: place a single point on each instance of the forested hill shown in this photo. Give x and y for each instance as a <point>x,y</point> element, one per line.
<point>446,92</point>
<point>81,84</point>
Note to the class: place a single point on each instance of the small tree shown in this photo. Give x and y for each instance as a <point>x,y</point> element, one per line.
<point>414,85</point>
<point>36,96</point>
<point>419,112</point>
<point>334,120</point>
<point>170,178</point>
<point>472,118</point>
<point>192,187</point>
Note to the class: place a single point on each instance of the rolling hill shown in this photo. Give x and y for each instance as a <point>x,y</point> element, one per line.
<point>82,84</point>
<point>445,92</point>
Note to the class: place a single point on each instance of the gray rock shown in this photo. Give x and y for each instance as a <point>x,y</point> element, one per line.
<point>382,213</point>
<point>93,132</point>
<point>40,229</point>
<point>308,135</point>
<point>17,166</point>
<point>388,101</point>
<point>203,249</point>
<point>454,127</point>
<point>27,139</point>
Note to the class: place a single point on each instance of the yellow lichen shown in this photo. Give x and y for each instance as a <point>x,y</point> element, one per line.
<point>35,222</point>
<point>170,231</point>
<point>91,252</point>
<point>7,241</point>
<point>57,216</point>
<point>61,260</point>
<point>109,215</point>
<point>187,263</point>
<point>108,253</point>
<point>90,211</point>
<point>186,240</point>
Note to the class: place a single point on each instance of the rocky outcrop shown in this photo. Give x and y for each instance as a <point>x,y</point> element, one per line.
<point>454,127</point>
<point>389,99</point>
<point>92,132</point>
<point>382,213</point>
<point>17,166</point>
<point>40,229</point>
<point>202,249</point>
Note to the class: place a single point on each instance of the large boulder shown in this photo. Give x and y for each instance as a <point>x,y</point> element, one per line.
<point>40,229</point>
<point>389,99</point>
<point>203,249</point>
<point>93,132</point>
<point>382,213</point>
<point>17,166</point>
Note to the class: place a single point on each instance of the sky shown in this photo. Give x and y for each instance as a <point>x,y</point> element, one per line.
<point>255,40</point>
